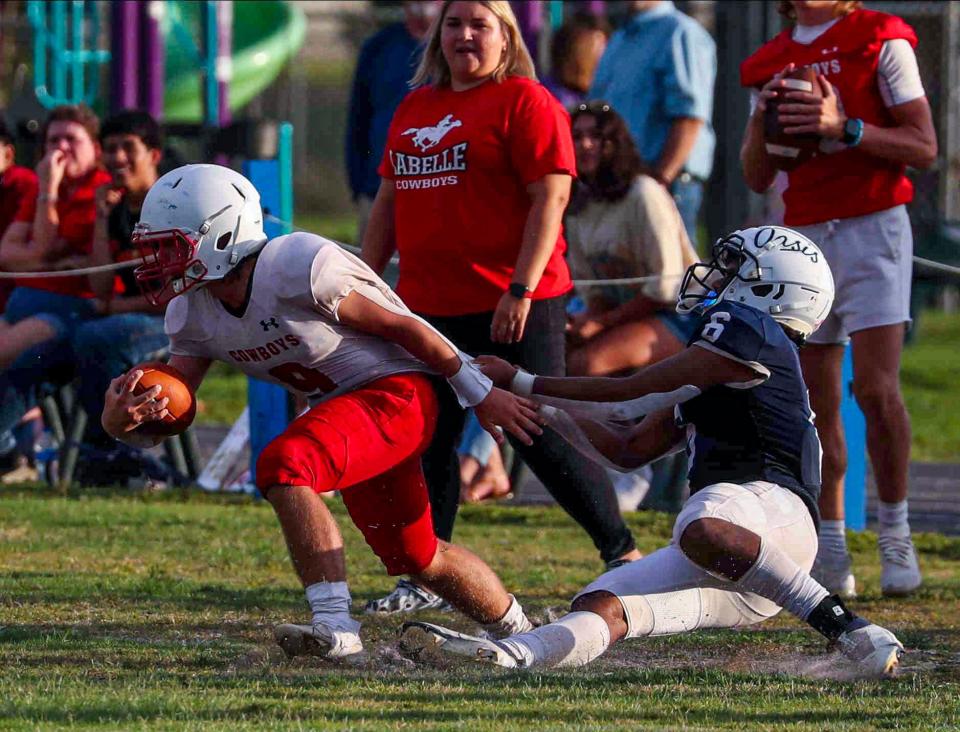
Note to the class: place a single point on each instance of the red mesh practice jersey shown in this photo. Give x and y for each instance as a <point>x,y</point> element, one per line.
<point>850,182</point>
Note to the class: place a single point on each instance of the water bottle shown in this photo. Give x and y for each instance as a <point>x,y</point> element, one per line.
<point>46,453</point>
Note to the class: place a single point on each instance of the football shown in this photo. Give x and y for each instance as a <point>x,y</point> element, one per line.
<point>789,151</point>
<point>181,408</point>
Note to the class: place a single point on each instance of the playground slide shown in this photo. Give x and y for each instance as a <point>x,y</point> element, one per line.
<point>266,35</point>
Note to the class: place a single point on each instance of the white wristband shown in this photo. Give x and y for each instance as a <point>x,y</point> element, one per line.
<point>522,384</point>
<point>470,385</point>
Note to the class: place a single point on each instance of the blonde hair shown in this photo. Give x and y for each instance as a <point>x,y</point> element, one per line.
<point>843,7</point>
<point>515,61</point>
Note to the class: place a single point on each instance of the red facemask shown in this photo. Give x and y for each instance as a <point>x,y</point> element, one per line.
<point>170,265</point>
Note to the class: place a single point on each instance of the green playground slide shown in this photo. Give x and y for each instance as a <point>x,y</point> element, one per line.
<point>266,35</point>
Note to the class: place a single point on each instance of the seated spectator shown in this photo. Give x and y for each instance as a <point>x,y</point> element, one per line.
<point>61,234</point>
<point>130,330</point>
<point>18,196</point>
<point>622,223</point>
<point>18,199</point>
<point>483,475</point>
<point>41,313</point>
<point>575,51</point>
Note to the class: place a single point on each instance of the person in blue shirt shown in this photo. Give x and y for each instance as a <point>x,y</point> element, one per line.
<point>658,72</point>
<point>745,540</point>
<point>387,62</point>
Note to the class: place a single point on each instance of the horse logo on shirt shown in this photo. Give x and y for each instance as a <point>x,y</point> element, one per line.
<point>426,137</point>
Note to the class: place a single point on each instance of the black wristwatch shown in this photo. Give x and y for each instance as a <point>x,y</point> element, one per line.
<point>520,290</point>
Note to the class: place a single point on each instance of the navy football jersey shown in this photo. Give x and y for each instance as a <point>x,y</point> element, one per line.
<point>761,430</point>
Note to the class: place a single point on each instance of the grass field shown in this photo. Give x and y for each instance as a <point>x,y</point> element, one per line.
<point>155,612</point>
<point>928,376</point>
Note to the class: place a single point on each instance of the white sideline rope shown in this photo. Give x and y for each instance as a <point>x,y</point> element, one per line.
<point>922,261</point>
<point>929,263</point>
<point>939,266</point>
<point>71,272</point>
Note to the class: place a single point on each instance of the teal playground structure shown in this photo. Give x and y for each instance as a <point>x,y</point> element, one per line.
<point>262,37</point>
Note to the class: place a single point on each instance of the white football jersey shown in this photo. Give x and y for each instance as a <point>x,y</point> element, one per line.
<point>289,333</point>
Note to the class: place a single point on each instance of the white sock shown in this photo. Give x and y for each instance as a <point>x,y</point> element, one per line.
<point>514,621</point>
<point>778,578</point>
<point>574,640</point>
<point>330,603</point>
<point>893,518</point>
<point>833,537</point>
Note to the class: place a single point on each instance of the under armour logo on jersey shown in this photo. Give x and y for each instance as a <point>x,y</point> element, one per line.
<point>427,137</point>
<point>269,323</point>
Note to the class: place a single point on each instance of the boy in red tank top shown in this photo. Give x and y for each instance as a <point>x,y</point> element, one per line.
<point>874,121</point>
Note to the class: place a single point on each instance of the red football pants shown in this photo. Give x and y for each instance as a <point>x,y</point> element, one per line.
<point>367,443</point>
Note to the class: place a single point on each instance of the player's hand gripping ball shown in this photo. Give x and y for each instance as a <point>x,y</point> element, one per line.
<point>182,405</point>
<point>787,151</point>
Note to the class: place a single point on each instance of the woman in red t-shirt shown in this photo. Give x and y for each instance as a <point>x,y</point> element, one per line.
<point>476,175</point>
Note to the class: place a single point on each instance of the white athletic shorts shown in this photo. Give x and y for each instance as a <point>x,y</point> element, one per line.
<point>666,593</point>
<point>872,262</point>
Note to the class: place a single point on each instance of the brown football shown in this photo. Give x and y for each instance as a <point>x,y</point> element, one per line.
<point>789,151</point>
<point>181,408</point>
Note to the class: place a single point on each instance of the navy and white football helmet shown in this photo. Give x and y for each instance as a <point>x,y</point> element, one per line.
<point>771,268</point>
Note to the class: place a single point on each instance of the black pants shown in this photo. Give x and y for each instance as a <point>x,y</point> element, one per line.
<point>580,486</point>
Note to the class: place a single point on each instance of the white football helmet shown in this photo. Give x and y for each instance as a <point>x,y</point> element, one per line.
<point>197,223</point>
<point>771,268</point>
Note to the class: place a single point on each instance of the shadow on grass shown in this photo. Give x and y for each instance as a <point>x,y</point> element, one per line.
<point>162,590</point>
<point>660,698</point>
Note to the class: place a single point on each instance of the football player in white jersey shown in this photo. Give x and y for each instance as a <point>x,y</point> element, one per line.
<point>301,312</point>
<point>745,541</point>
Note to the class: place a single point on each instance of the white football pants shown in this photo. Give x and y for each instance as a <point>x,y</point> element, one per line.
<point>666,593</point>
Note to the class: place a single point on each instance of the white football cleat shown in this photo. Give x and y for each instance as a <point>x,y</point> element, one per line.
<point>876,650</point>
<point>407,597</point>
<point>833,571</point>
<point>418,637</point>
<point>317,640</point>
<point>899,573</point>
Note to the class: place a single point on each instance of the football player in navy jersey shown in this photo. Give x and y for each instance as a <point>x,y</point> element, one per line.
<point>745,541</point>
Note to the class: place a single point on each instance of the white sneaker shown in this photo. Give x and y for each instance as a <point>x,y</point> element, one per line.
<point>407,597</point>
<point>631,488</point>
<point>418,640</point>
<point>316,640</point>
<point>899,573</point>
<point>832,570</point>
<point>876,650</point>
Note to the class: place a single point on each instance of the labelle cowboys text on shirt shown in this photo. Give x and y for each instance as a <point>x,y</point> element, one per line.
<point>460,163</point>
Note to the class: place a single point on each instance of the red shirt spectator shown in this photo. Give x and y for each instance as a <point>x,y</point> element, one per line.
<point>77,216</point>
<point>475,177</point>
<point>18,202</point>
<point>18,196</point>
<point>461,162</point>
